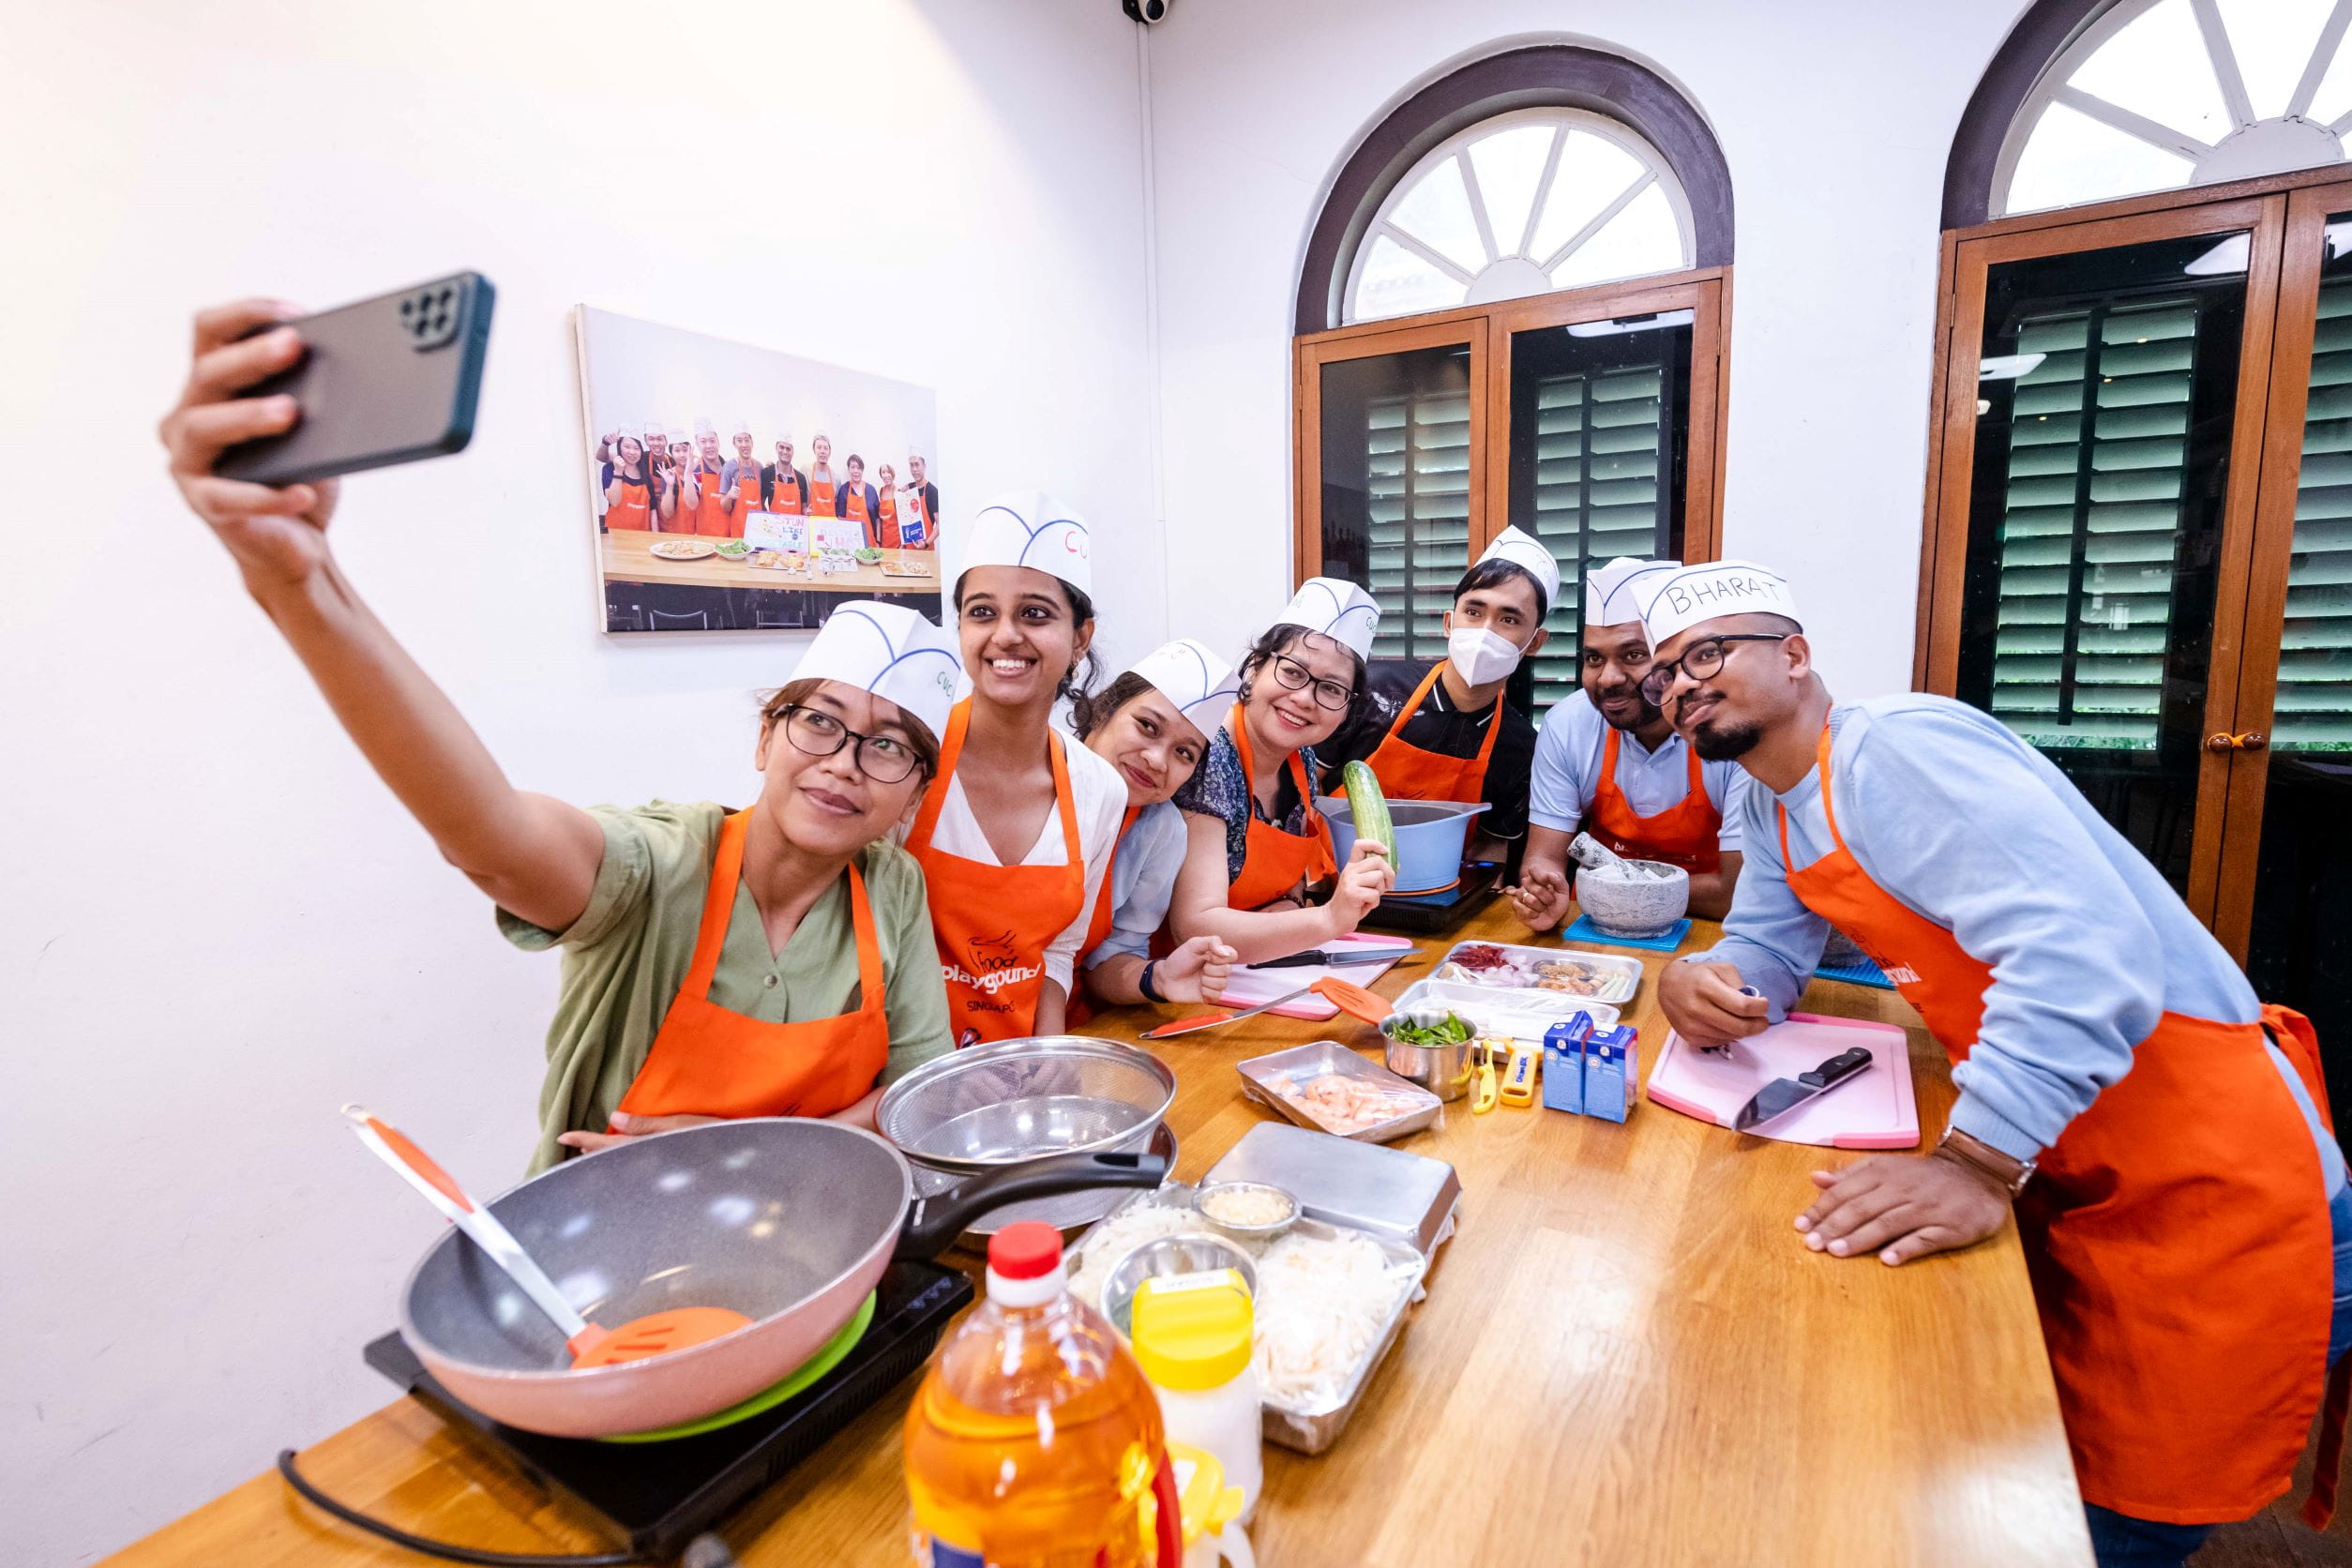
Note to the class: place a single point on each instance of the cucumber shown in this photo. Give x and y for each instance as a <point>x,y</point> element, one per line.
<point>1369,806</point>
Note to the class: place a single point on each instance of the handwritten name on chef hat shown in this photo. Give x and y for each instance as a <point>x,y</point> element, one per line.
<point>1338,608</point>
<point>895,653</point>
<point>1682,599</point>
<point>1202,684</point>
<point>1030,527</point>
<point>1613,594</point>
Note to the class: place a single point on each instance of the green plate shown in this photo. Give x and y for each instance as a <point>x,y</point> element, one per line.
<point>810,1370</point>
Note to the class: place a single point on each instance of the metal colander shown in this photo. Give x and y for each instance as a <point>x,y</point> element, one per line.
<point>1015,1100</point>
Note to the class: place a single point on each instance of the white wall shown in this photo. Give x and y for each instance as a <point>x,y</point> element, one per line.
<point>214,927</point>
<point>1836,118</point>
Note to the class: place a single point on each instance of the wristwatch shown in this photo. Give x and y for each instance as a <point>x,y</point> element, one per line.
<point>1143,982</point>
<point>2006,1171</point>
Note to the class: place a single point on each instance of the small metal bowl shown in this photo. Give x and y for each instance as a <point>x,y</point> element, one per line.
<point>1186,1252</point>
<point>1267,1232</point>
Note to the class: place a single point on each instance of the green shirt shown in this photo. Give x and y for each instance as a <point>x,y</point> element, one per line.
<point>626,955</point>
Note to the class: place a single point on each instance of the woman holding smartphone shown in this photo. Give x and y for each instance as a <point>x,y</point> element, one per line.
<point>1152,724</point>
<point>1255,845</point>
<point>771,960</point>
<point>1016,833</point>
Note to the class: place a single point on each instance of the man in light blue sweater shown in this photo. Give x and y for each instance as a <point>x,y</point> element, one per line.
<point>2182,1205</point>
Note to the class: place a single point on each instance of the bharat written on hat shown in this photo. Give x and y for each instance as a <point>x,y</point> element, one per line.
<point>1202,684</point>
<point>1338,608</point>
<point>1030,527</point>
<point>1711,590</point>
<point>1613,594</point>
<point>1526,552</point>
<point>891,650</point>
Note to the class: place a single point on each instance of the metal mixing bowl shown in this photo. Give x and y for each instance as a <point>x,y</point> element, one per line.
<point>1015,1100</point>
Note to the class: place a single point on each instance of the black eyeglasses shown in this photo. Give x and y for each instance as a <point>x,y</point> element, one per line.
<point>1298,677</point>
<point>883,758</point>
<point>1700,660</point>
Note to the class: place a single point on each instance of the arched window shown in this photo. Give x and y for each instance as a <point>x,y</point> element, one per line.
<point>1509,312</point>
<point>1523,204</point>
<point>2095,100</point>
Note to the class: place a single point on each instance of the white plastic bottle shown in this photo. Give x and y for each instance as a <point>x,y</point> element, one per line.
<point>1192,1338</point>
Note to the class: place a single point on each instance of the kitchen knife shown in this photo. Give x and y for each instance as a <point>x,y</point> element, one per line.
<point>1340,959</point>
<point>1782,1096</point>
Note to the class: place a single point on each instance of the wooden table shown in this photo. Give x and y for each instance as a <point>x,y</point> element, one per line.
<point>1626,1356</point>
<point>627,556</point>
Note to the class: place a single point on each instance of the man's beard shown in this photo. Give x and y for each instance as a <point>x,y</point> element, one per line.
<point>1725,743</point>
<point>1646,714</point>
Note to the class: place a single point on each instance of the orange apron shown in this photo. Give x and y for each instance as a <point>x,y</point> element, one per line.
<point>1274,862</point>
<point>1081,1006</point>
<point>1409,773</point>
<point>746,498</point>
<point>710,517</point>
<point>2177,1234</point>
<point>1686,834</point>
<point>820,497</point>
<point>993,923</point>
<point>709,1061</point>
<point>886,530</point>
<point>633,511</point>
<point>916,528</point>
<point>785,502</point>
<point>855,496</point>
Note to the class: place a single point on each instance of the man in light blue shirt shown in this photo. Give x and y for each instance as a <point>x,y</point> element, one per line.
<point>2173,1184</point>
<point>1608,763</point>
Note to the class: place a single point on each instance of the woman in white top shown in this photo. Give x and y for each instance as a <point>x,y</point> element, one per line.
<point>1017,828</point>
<point>1152,724</point>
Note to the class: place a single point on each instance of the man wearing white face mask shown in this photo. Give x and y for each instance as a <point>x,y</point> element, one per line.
<point>1611,764</point>
<point>1444,731</point>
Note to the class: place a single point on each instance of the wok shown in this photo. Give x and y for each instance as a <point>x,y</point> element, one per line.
<point>787,1220</point>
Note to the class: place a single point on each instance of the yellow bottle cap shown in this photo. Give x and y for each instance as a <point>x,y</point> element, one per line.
<point>1192,1331</point>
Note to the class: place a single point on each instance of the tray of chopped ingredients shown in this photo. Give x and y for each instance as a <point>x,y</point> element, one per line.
<point>1330,1302</point>
<point>1592,976</point>
<point>1330,1087</point>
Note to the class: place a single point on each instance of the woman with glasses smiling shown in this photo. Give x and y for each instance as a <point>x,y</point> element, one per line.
<point>1256,846</point>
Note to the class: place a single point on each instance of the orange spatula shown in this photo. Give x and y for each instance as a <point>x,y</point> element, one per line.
<point>654,1334</point>
<point>1346,994</point>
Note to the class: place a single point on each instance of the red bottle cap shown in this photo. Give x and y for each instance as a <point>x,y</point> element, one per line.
<point>1025,1249</point>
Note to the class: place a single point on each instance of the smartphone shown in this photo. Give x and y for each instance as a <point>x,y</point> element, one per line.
<point>385,381</point>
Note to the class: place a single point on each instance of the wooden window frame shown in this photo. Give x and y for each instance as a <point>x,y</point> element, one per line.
<point>2286,215</point>
<point>1485,330</point>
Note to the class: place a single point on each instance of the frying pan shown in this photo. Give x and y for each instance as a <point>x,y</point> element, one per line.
<point>787,1220</point>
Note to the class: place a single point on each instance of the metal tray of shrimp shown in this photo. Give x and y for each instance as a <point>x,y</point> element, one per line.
<point>1275,1080</point>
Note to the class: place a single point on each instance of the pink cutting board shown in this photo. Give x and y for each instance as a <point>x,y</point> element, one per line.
<point>1248,987</point>
<point>1876,1110</point>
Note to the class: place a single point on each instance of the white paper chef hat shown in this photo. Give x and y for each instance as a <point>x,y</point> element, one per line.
<point>742,427</point>
<point>891,650</point>
<point>704,427</point>
<point>1614,593</point>
<point>1338,608</point>
<point>1202,684</point>
<point>1526,552</point>
<point>1030,527</point>
<point>1680,600</point>
<point>679,437</point>
<point>655,427</point>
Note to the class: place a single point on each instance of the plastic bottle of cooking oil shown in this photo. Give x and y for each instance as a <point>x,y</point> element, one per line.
<point>1035,1438</point>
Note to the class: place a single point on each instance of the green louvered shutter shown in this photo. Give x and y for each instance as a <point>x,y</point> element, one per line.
<point>2313,706</point>
<point>2097,440</point>
<point>1419,450</point>
<point>1601,480</point>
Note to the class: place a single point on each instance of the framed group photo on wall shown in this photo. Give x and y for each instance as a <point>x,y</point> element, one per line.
<point>734,487</point>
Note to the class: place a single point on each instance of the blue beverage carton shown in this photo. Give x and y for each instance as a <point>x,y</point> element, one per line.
<point>1563,1062</point>
<point>1611,1071</point>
